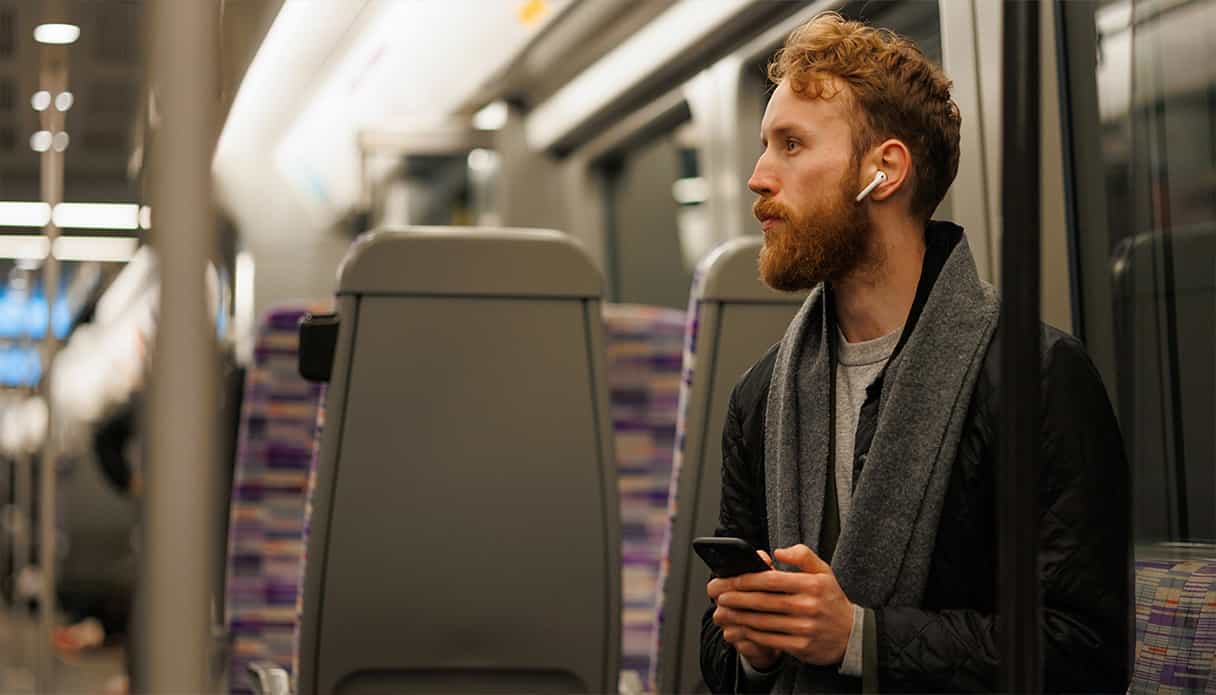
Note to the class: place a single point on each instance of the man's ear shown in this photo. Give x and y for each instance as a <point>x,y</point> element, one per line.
<point>895,160</point>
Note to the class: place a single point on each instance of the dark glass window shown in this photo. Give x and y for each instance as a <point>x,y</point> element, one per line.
<point>1156,106</point>
<point>8,33</point>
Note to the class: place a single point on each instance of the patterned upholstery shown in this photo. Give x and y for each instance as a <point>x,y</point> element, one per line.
<point>312,484</point>
<point>1175,627</point>
<point>273,466</point>
<point>686,374</point>
<point>643,360</point>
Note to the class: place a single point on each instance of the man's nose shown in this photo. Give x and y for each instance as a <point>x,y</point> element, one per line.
<point>762,182</point>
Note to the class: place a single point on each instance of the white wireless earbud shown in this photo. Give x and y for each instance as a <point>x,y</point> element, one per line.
<point>878,178</point>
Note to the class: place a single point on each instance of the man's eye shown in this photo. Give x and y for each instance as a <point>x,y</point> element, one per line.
<point>791,145</point>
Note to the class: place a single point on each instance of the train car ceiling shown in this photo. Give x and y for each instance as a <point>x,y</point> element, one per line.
<point>328,71</point>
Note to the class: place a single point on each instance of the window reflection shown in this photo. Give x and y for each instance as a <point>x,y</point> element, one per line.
<point>1157,100</point>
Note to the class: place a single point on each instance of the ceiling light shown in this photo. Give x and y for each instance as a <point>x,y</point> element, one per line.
<point>682,26</point>
<point>13,214</point>
<point>492,116</point>
<point>60,141</point>
<point>41,100</point>
<point>483,161</point>
<point>64,101</point>
<point>97,216</point>
<point>91,248</point>
<point>28,246</point>
<point>56,33</point>
<point>41,141</point>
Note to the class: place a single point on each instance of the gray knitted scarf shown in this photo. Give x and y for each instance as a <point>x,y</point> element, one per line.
<point>882,556</point>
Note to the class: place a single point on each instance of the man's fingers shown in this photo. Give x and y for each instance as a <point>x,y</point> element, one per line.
<point>803,558</point>
<point>718,586</point>
<point>775,581</point>
<point>767,622</point>
<point>768,602</point>
<point>733,635</point>
<point>773,640</point>
<point>764,556</point>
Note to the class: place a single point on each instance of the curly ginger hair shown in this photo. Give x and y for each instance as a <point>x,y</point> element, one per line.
<point>897,92</point>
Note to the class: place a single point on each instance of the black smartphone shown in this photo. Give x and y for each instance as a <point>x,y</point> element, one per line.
<point>729,557</point>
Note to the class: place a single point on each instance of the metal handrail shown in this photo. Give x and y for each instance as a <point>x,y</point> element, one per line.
<point>1018,470</point>
<point>179,522</point>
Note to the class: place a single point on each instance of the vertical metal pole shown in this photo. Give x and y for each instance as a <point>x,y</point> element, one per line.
<point>21,553</point>
<point>1017,482</point>
<point>54,79</point>
<point>179,512</point>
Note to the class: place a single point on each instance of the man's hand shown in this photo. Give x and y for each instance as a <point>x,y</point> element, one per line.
<point>804,614</point>
<point>760,658</point>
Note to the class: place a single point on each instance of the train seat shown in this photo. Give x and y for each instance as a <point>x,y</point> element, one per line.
<point>265,533</point>
<point>1175,626</point>
<point>644,346</point>
<point>465,531</point>
<point>732,319</point>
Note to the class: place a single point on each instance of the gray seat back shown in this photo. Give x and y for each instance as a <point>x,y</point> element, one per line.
<point>465,532</point>
<point>733,319</point>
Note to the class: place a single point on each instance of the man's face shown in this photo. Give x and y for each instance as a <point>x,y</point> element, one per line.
<point>806,180</point>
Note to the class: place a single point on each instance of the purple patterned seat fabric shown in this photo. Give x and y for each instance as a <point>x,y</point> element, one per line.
<point>269,491</point>
<point>644,347</point>
<point>1175,627</point>
<point>688,361</point>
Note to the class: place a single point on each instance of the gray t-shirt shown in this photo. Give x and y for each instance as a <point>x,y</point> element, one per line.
<point>857,366</point>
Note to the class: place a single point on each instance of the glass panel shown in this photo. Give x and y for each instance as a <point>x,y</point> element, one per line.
<point>918,21</point>
<point>657,223</point>
<point>1157,104</point>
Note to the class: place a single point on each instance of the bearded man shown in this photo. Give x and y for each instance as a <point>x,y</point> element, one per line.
<point>861,450</point>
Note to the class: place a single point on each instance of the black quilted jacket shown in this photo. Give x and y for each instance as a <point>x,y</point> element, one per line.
<point>950,643</point>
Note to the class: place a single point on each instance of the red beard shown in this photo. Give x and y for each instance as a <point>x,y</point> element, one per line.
<point>827,244</point>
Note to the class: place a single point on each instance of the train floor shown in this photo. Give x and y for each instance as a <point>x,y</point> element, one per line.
<point>97,671</point>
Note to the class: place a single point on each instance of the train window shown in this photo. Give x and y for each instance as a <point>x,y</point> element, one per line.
<point>117,36</point>
<point>110,97</point>
<point>434,190</point>
<point>657,223</point>
<point>917,21</point>
<point>8,33</point>
<point>104,140</point>
<point>1156,107</point>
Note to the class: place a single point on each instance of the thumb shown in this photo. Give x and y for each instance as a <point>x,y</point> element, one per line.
<point>803,558</point>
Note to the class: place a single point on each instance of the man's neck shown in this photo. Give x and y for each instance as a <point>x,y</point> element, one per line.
<point>875,301</point>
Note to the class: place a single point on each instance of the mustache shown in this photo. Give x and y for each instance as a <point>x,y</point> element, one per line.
<point>765,208</point>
